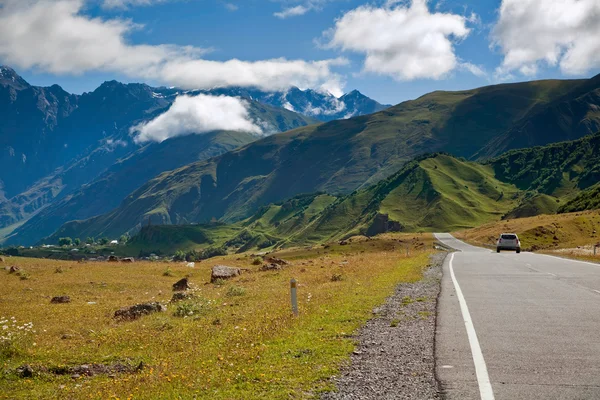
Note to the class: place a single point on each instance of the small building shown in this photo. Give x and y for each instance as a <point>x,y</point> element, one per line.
<point>114,242</point>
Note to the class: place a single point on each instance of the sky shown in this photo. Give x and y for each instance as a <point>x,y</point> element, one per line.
<point>389,50</point>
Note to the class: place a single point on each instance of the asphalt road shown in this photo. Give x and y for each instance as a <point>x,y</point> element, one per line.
<point>517,326</point>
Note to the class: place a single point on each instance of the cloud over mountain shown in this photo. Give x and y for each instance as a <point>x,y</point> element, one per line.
<point>58,37</point>
<point>196,115</point>
<point>406,42</point>
<point>559,32</point>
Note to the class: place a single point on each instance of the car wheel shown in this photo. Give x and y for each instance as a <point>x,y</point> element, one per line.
<point>497,250</point>
<point>518,251</point>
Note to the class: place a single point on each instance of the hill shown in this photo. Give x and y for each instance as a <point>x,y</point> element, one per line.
<point>341,156</point>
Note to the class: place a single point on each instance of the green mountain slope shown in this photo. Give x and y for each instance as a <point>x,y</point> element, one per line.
<point>340,156</point>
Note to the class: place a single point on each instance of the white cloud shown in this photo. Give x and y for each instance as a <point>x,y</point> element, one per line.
<point>232,7</point>
<point>56,37</point>
<point>404,41</point>
<point>531,33</point>
<point>122,4</point>
<point>474,69</point>
<point>292,12</point>
<point>299,9</point>
<point>196,115</point>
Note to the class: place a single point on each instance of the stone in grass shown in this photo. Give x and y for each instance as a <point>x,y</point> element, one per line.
<point>277,261</point>
<point>60,300</point>
<point>181,296</point>
<point>13,269</point>
<point>128,260</point>
<point>223,272</point>
<point>270,267</point>
<point>135,312</point>
<point>25,371</point>
<point>181,285</point>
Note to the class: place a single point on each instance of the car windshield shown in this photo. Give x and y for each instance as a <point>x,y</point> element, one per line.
<point>509,237</point>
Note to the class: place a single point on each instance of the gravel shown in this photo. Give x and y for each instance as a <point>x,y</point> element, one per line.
<point>394,356</point>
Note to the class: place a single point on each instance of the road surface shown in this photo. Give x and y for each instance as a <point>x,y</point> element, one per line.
<point>517,326</point>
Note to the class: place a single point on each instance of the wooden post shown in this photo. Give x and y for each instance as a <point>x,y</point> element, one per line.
<point>294,296</point>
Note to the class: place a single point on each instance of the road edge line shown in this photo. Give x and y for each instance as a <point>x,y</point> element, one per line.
<point>483,379</point>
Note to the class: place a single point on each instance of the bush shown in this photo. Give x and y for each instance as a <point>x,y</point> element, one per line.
<point>179,255</point>
<point>213,252</point>
<point>257,261</point>
<point>77,241</point>
<point>235,291</point>
<point>168,272</point>
<point>197,306</point>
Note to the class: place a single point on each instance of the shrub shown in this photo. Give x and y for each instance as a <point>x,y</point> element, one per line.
<point>257,261</point>
<point>179,255</point>
<point>219,282</point>
<point>235,291</point>
<point>197,306</point>
<point>213,252</point>
<point>168,272</point>
<point>337,278</point>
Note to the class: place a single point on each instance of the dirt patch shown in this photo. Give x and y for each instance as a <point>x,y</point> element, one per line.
<point>394,358</point>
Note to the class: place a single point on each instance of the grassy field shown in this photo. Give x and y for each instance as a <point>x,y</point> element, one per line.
<point>241,341</point>
<point>571,234</point>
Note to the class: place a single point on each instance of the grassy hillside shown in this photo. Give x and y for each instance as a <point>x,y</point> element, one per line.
<point>235,339</point>
<point>434,193</point>
<point>544,232</point>
<point>340,156</point>
<point>589,199</point>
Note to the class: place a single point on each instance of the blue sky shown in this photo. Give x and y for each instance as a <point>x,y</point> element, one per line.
<point>250,31</point>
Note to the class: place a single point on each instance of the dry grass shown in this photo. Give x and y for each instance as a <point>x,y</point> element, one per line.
<point>563,234</point>
<point>244,346</point>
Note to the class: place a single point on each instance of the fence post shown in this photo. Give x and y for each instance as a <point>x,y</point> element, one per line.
<point>294,296</point>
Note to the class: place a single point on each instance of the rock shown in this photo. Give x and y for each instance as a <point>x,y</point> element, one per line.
<point>190,265</point>
<point>343,242</point>
<point>277,261</point>
<point>223,272</point>
<point>270,267</point>
<point>2,259</point>
<point>25,371</point>
<point>128,260</point>
<point>113,259</point>
<point>180,296</point>
<point>66,336</point>
<point>134,312</point>
<point>13,269</point>
<point>181,285</point>
<point>60,300</point>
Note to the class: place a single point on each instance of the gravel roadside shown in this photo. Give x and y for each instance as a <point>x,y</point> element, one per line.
<point>394,356</point>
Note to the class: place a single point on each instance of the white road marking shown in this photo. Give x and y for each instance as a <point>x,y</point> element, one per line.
<point>483,379</point>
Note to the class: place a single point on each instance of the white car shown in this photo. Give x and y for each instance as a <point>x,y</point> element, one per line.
<point>508,241</point>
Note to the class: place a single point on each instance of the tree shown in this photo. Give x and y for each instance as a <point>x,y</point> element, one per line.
<point>103,241</point>
<point>77,241</point>
<point>90,240</point>
<point>124,239</point>
<point>179,255</point>
<point>65,241</point>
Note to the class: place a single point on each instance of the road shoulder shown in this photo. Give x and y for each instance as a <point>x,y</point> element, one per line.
<point>395,355</point>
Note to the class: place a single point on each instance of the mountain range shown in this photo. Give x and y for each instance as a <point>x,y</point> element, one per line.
<point>56,144</point>
<point>341,156</point>
<point>436,192</point>
<point>336,157</point>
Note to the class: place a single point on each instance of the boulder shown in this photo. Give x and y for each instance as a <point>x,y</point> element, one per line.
<point>13,269</point>
<point>223,272</point>
<point>181,285</point>
<point>277,261</point>
<point>270,267</point>
<point>25,371</point>
<point>128,260</point>
<point>60,300</point>
<point>135,312</point>
<point>181,296</point>
<point>113,259</point>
